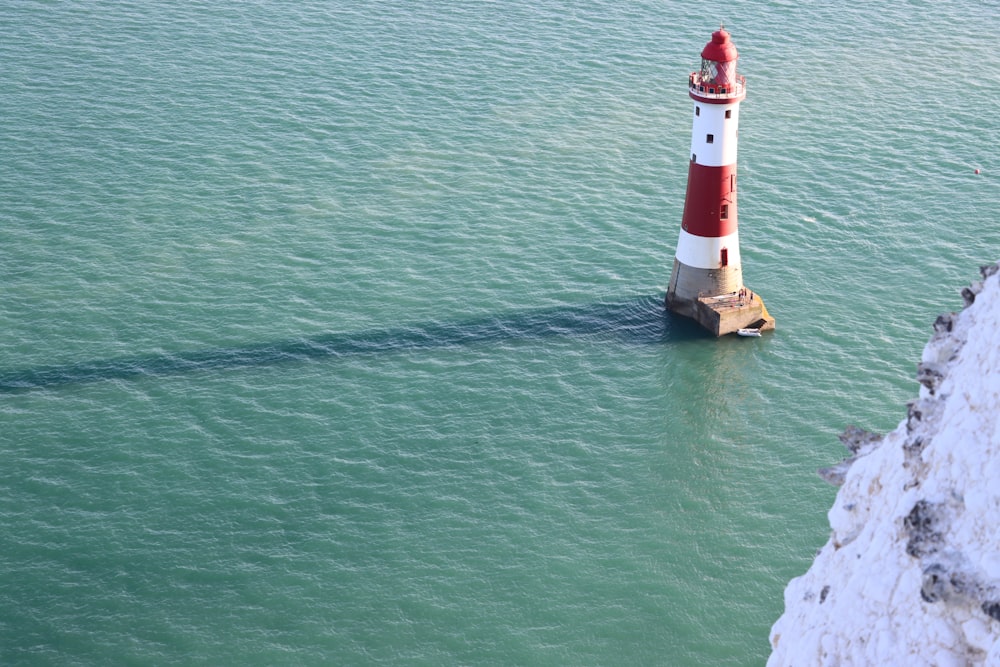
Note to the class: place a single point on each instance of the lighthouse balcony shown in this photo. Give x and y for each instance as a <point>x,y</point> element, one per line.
<point>711,90</point>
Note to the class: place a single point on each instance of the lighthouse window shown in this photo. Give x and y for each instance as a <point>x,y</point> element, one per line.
<point>729,113</point>
<point>725,212</point>
<point>709,138</point>
<point>697,111</point>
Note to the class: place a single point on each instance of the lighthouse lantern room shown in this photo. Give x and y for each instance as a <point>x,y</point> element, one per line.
<point>707,279</point>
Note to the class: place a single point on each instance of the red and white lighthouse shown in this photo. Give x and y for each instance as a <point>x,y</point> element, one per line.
<point>707,279</point>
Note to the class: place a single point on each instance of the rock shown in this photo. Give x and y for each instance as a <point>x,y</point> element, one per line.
<point>836,474</point>
<point>921,528</point>
<point>911,572</point>
<point>856,439</point>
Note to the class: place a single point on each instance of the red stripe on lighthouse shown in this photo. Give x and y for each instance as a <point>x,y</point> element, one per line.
<point>710,203</point>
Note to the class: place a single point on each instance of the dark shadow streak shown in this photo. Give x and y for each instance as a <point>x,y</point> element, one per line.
<point>638,321</point>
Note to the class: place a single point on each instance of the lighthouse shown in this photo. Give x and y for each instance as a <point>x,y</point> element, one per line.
<point>706,283</point>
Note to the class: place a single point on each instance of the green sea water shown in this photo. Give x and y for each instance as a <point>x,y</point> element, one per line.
<point>332,332</point>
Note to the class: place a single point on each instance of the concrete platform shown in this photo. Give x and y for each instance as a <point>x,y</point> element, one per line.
<point>725,313</point>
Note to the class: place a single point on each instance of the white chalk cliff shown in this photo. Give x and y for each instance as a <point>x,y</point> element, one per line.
<point>911,573</point>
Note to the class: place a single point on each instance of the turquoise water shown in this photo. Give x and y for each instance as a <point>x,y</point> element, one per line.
<point>332,331</point>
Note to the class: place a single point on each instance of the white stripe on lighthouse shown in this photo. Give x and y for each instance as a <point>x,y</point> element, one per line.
<point>713,136</point>
<point>705,252</point>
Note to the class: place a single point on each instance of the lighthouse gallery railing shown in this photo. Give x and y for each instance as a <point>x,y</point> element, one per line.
<point>711,89</point>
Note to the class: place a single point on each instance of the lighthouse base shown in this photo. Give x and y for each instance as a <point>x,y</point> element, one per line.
<point>724,313</point>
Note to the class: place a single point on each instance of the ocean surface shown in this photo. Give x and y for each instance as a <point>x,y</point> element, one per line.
<point>332,331</point>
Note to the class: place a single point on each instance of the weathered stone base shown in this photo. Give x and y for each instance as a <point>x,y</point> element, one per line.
<point>726,313</point>
<point>688,282</point>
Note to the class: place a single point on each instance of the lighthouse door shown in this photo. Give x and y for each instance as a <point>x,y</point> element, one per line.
<point>724,258</point>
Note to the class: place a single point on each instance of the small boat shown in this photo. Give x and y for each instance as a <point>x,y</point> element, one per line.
<point>748,332</point>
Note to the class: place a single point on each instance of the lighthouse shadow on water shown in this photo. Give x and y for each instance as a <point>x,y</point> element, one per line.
<point>635,321</point>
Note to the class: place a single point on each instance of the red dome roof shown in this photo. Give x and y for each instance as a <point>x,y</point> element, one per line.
<point>720,49</point>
